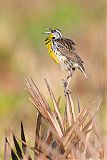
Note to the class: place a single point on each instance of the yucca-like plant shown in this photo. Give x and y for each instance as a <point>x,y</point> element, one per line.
<point>68,136</point>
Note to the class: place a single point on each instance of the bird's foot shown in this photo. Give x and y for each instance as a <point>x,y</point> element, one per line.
<point>65,84</point>
<point>67,92</point>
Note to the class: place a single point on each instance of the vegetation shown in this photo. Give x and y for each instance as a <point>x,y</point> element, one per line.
<point>23,54</point>
<point>71,135</point>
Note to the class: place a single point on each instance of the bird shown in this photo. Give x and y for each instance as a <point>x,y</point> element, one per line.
<point>63,51</point>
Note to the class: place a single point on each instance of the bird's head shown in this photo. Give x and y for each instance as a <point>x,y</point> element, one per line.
<point>54,34</point>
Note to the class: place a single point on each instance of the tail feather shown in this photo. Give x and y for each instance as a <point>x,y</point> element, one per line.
<point>82,70</point>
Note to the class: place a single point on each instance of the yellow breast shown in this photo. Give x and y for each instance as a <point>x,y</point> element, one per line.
<point>51,52</point>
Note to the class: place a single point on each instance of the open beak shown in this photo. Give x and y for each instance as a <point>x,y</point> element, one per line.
<point>50,31</point>
<point>46,32</point>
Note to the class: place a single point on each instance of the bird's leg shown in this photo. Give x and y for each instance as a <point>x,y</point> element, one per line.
<point>66,83</point>
<point>68,80</point>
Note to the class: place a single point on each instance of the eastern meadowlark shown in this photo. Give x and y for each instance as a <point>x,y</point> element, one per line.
<point>63,51</point>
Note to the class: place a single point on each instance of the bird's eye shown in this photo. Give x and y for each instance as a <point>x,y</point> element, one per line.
<point>53,37</point>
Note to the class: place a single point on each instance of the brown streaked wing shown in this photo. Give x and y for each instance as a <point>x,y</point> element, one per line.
<point>71,55</point>
<point>67,43</point>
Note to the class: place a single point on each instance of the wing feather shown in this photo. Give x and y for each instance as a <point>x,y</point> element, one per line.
<point>67,51</point>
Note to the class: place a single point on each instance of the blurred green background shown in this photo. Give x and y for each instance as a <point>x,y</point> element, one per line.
<point>23,54</point>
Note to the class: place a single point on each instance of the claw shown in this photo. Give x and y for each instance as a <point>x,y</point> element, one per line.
<point>65,83</point>
<point>67,92</point>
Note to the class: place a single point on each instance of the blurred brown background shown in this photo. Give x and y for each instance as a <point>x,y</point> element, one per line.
<point>23,54</point>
